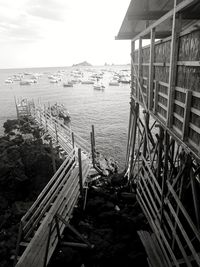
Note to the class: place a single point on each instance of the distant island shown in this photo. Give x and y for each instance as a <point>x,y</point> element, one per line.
<point>84,63</point>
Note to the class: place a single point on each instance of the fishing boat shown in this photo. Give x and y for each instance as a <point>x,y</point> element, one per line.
<point>8,81</point>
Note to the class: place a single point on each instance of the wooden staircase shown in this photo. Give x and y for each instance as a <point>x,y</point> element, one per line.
<point>42,226</point>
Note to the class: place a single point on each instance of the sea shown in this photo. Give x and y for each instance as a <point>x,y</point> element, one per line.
<point>107,110</point>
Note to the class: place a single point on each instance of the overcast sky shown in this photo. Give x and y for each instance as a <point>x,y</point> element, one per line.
<point>37,33</point>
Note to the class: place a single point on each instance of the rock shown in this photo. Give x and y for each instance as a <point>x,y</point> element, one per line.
<point>10,125</point>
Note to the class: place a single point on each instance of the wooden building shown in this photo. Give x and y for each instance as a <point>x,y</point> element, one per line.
<point>163,150</point>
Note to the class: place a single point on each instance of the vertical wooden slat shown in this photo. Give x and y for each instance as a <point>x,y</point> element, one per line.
<point>151,69</point>
<point>186,118</point>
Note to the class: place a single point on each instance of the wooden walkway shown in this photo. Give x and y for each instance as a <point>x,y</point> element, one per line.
<point>42,226</point>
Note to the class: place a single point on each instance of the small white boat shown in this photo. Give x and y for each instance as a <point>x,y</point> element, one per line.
<point>114,83</point>
<point>25,82</point>
<point>8,81</point>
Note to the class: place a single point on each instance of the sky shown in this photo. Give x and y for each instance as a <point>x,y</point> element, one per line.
<point>49,33</point>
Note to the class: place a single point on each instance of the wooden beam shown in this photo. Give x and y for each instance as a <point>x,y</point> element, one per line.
<point>131,35</point>
<point>147,15</point>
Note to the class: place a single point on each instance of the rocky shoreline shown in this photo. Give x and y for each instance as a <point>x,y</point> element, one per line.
<point>110,219</point>
<point>25,168</point>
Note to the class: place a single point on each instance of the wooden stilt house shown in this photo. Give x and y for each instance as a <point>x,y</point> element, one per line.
<point>163,149</point>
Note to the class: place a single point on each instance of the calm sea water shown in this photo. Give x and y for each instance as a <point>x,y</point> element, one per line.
<point>107,110</point>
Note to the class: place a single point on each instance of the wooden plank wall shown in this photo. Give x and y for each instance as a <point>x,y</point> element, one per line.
<point>154,73</point>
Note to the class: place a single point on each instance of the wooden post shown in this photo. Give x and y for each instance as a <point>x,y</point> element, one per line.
<point>80,172</point>
<point>92,149</point>
<point>186,119</point>
<point>132,53</point>
<point>151,69</point>
<point>53,157</point>
<point>139,67</point>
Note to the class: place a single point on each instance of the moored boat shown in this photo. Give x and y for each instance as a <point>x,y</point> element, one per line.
<point>114,83</point>
<point>68,84</point>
